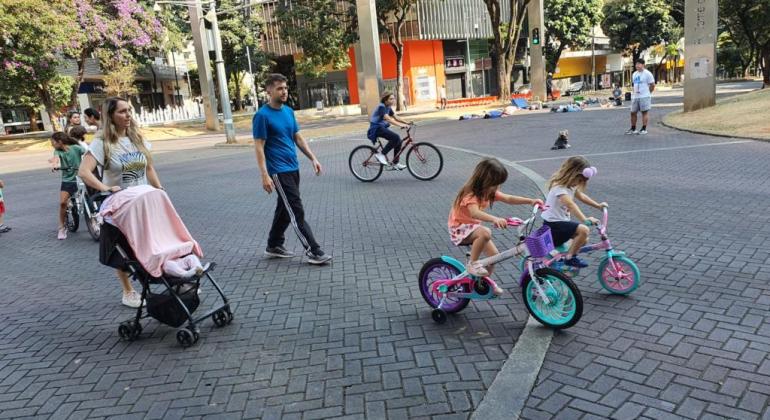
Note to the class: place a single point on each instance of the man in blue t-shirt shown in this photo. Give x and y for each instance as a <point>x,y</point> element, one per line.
<point>276,138</point>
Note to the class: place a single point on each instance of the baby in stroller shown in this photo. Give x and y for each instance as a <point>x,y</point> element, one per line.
<point>143,235</point>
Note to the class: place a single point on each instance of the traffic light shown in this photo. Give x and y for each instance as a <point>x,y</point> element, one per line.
<point>536,36</point>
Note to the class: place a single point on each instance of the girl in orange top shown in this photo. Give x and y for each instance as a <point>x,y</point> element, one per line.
<point>478,193</point>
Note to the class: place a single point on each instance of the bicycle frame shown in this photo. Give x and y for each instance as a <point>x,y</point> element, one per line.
<point>518,250</point>
<point>605,244</point>
<point>405,142</point>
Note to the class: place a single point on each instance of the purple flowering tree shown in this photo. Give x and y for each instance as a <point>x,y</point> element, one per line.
<point>118,32</point>
<point>33,39</point>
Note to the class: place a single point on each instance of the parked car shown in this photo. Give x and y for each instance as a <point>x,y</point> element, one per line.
<point>575,88</point>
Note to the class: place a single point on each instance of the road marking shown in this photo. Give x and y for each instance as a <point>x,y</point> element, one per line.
<point>657,149</point>
<point>508,393</point>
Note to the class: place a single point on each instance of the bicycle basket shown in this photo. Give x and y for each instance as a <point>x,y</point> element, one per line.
<point>539,243</point>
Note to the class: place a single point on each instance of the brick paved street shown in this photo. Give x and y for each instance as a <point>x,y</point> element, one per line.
<point>356,340</point>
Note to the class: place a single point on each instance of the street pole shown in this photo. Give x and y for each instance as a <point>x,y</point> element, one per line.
<point>537,59</point>
<point>370,80</point>
<point>176,78</point>
<point>221,78</point>
<point>468,65</point>
<point>700,38</point>
<point>593,58</point>
<point>204,69</point>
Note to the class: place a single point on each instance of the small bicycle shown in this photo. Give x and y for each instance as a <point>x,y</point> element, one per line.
<point>617,273</point>
<point>549,295</point>
<point>423,160</point>
<point>87,205</point>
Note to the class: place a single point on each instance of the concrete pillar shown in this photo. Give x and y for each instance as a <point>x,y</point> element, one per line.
<point>204,67</point>
<point>700,53</point>
<point>537,55</point>
<point>370,77</point>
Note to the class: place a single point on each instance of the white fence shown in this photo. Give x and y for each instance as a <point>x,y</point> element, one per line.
<point>191,110</point>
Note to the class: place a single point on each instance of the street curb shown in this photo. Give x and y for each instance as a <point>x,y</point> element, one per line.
<point>706,133</point>
<point>510,390</point>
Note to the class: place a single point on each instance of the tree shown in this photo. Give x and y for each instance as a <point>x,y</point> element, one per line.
<point>568,24</point>
<point>391,17</point>
<point>747,22</point>
<point>119,79</point>
<point>635,25</point>
<point>116,30</point>
<point>505,31</point>
<point>238,30</point>
<point>31,51</point>
<point>324,29</point>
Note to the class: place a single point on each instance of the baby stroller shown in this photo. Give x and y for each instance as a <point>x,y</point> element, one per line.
<point>143,235</point>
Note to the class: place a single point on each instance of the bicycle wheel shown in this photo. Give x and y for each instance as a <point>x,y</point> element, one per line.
<point>72,217</point>
<point>424,161</point>
<point>620,278</point>
<point>565,303</point>
<point>93,227</point>
<point>363,165</point>
<point>437,269</point>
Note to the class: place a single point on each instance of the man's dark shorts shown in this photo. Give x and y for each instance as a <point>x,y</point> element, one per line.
<point>562,232</point>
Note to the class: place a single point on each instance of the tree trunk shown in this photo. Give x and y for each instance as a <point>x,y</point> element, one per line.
<point>237,84</point>
<point>503,78</point>
<point>400,102</point>
<point>154,86</point>
<point>81,62</point>
<point>765,64</point>
<point>53,114</point>
<point>32,112</point>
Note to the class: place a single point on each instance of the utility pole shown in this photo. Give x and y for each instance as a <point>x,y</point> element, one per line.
<point>700,37</point>
<point>370,82</point>
<point>593,58</point>
<point>537,59</point>
<point>253,80</point>
<point>204,68</point>
<point>224,95</point>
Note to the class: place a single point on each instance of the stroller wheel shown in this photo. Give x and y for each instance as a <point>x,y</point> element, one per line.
<point>129,330</point>
<point>186,338</point>
<point>221,318</point>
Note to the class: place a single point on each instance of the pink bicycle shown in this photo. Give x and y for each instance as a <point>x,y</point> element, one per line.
<point>549,295</point>
<point>617,273</point>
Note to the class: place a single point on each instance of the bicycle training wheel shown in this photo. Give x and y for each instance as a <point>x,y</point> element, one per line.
<point>363,165</point>
<point>72,217</point>
<point>565,303</point>
<point>424,161</point>
<point>437,269</point>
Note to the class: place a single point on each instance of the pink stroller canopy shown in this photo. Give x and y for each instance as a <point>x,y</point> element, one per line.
<point>151,225</point>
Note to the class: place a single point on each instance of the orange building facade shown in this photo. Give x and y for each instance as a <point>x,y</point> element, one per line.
<point>423,67</point>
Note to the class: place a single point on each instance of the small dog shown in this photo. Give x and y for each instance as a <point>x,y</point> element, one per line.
<point>562,142</point>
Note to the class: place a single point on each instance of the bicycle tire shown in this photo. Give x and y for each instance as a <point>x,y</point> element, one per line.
<point>72,217</point>
<point>564,299</point>
<point>445,270</point>
<point>362,158</point>
<point>415,157</point>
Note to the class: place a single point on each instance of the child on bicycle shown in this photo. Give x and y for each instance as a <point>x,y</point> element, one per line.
<point>566,185</point>
<point>67,156</point>
<point>3,227</point>
<point>478,193</point>
<point>382,117</point>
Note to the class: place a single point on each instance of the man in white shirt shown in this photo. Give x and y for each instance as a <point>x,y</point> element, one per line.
<point>442,96</point>
<point>641,96</point>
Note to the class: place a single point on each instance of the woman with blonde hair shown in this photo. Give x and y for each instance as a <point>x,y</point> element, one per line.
<point>125,159</point>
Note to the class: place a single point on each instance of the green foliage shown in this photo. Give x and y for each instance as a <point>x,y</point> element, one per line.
<point>635,25</point>
<point>746,22</point>
<point>323,29</point>
<point>31,51</point>
<point>568,24</point>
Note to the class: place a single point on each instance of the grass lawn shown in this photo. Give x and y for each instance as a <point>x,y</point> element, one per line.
<point>740,116</point>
